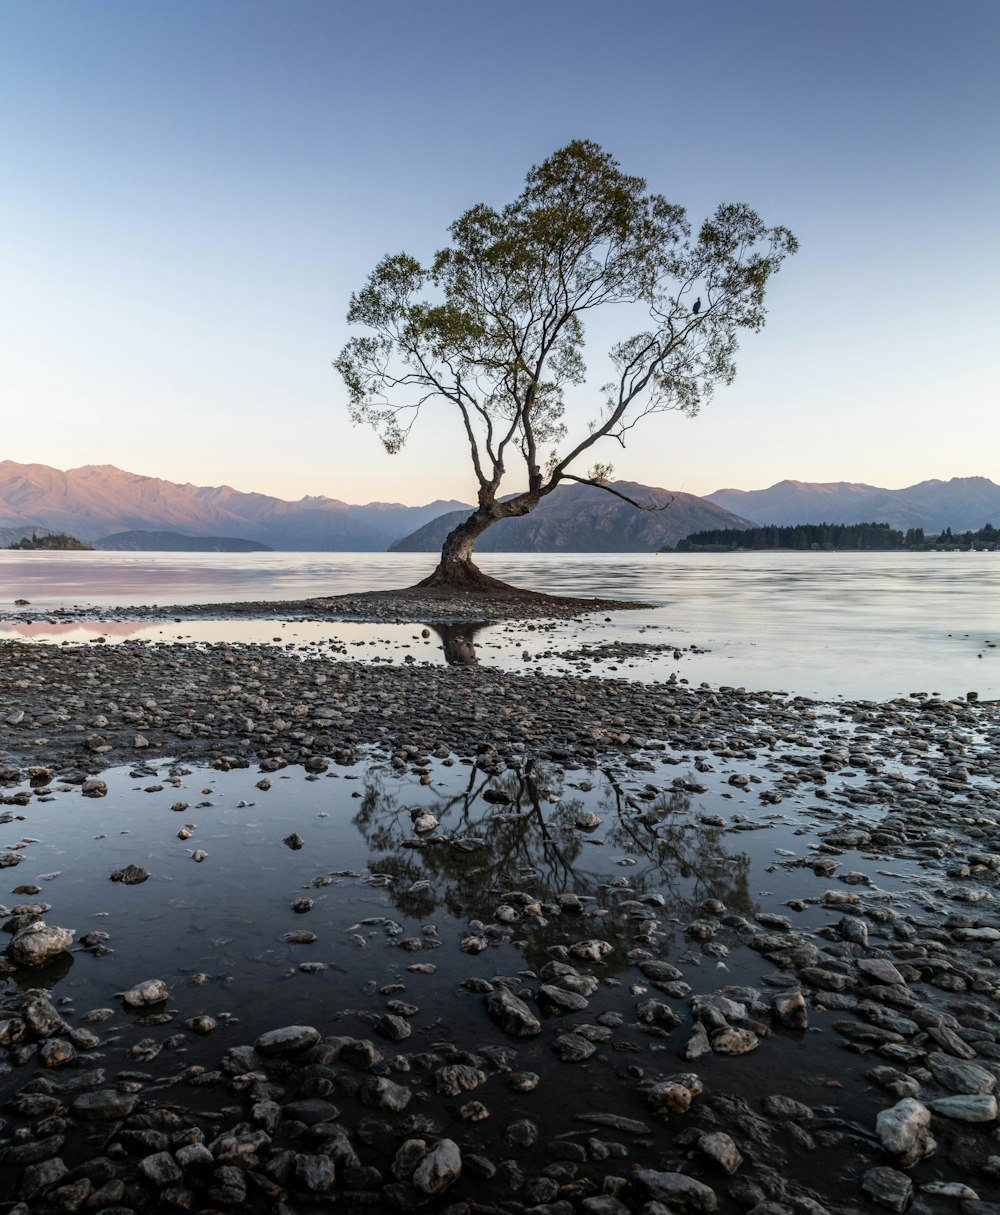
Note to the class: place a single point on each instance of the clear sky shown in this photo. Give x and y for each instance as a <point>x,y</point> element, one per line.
<point>190,190</point>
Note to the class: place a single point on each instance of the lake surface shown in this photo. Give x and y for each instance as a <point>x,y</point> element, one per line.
<point>867,625</point>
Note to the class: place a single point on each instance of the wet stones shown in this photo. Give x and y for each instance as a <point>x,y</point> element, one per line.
<point>146,994</point>
<point>972,1107</point>
<point>38,943</point>
<point>559,1000</point>
<point>888,1187</point>
<point>675,1191</point>
<point>511,1013</point>
<point>288,1040</point>
<point>131,875</point>
<point>655,1012</point>
<point>904,1131</point>
<point>384,1094</point>
<point>960,1076</point>
<point>593,950</point>
<point>721,1150</point>
<point>789,1010</point>
<point>573,1048</point>
<point>103,1105</point>
<point>673,1095</point>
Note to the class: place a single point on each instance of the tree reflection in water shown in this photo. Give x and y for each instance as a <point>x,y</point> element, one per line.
<point>458,640</point>
<point>532,843</point>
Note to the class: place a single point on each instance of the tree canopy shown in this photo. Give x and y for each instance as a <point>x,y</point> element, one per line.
<point>494,326</point>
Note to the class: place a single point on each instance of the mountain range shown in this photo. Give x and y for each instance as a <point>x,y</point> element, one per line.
<point>963,504</point>
<point>95,502</point>
<point>98,499</point>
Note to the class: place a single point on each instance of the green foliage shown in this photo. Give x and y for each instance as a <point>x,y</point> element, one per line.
<point>829,536</point>
<point>803,536</point>
<point>57,541</point>
<point>986,537</point>
<point>494,324</point>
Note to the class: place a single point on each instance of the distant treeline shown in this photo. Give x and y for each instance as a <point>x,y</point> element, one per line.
<point>58,540</point>
<point>861,537</point>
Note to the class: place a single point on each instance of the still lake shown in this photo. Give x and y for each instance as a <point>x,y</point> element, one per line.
<point>858,625</point>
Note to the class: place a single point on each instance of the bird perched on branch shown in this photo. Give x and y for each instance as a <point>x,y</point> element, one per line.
<point>696,307</point>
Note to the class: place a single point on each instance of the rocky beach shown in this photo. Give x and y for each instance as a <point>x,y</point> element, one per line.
<point>287,932</point>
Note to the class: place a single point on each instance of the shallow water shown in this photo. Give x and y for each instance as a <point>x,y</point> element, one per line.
<point>388,897</point>
<point>376,881</point>
<point>867,625</point>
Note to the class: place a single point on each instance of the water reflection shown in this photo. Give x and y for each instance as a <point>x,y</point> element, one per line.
<point>458,640</point>
<point>521,839</point>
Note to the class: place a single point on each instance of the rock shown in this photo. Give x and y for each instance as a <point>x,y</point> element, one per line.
<point>512,1014</point>
<point>660,973</point>
<point>676,1191</point>
<point>31,1151</point>
<point>721,1149</point>
<point>457,1078</point>
<point>36,944</point>
<point>383,1094</point>
<point>970,1107</point>
<point>557,999</point>
<point>39,1179</point>
<point>674,1095</point>
<point>160,1168</point>
<point>697,1045</point>
<point>41,1016</point>
<point>131,875</point>
<point>316,1174</point>
<point>55,1052</point>
<point>732,1041</point>
<point>439,1168</point>
<point>145,994</point>
<point>94,788</point>
<point>904,1130</point>
<point>573,1048</point>
<point>786,1108</point>
<point>960,1076</point>
<point>194,1156</point>
<point>396,1029</point>
<point>789,1010</point>
<point>655,1012</point>
<point>103,1105</point>
<point>888,1187</point>
<point>592,950</point>
<point>287,1040</point>
<point>879,970</point>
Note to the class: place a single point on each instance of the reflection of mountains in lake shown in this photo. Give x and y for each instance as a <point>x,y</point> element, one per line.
<point>517,850</point>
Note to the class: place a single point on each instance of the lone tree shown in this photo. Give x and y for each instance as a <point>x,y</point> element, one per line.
<point>495,327</point>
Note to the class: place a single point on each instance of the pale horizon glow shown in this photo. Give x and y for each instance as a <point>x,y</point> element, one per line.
<point>193,191</point>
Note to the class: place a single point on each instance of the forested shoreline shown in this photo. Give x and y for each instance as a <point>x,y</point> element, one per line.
<point>831,537</point>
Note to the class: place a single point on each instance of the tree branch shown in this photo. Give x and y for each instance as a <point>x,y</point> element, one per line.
<point>609,489</point>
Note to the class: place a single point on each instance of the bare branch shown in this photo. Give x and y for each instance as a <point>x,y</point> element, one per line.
<point>610,489</point>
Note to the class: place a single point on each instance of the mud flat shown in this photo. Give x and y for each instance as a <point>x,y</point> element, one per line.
<point>287,933</point>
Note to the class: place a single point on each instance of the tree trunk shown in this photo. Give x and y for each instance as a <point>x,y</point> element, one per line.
<point>456,570</point>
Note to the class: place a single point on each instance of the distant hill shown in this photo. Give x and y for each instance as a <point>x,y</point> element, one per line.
<point>586,519</point>
<point>56,542</point>
<point>100,500</point>
<point>963,504</point>
<point>174,542</point>
<point>11,535</point>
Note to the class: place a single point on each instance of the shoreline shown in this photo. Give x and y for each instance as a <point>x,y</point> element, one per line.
<point>411,605</point>
<point>703,1101</point>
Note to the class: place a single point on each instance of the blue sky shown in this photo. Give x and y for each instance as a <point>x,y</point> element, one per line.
<point>191,189</point>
